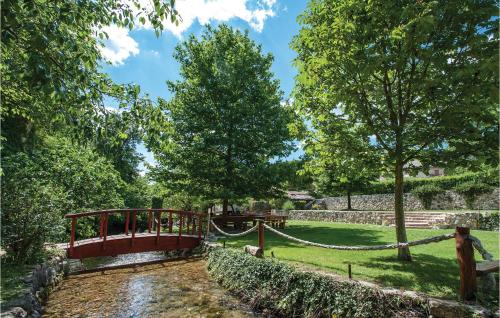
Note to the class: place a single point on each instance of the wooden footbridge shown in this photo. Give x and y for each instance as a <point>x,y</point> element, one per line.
<point>145,230</point>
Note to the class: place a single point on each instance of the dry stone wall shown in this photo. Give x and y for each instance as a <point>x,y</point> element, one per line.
<point>469,219</point>
<point>448,200</point>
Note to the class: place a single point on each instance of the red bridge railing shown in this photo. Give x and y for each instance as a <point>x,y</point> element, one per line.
<point>187,222</point>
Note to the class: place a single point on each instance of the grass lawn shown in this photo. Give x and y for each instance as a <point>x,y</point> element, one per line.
<point>434,269</point>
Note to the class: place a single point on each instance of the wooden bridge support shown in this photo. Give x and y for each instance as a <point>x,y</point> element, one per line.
<point>467,264</point>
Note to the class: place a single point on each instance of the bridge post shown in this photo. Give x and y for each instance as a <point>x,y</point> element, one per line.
<point>101,225</point>
<point>199,226</point>
<point>149,221</point>
<point>181,222</point>
<point>73,232</point>
<point>134,219</point>
<point>158,227</point>
<point>105,230</point>
<point>127,221</point>
<point>170,222</point>
<point>466,262</point>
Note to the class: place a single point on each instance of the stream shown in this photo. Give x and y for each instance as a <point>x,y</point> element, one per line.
<point>169,289</point>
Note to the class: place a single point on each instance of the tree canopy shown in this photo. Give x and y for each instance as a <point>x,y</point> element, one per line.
<point>225,124</point>
<point>51,63</point>
<point>422,77</point>
<point>340,158</point>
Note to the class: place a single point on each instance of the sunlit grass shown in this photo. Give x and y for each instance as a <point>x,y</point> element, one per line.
<point>434,268</point>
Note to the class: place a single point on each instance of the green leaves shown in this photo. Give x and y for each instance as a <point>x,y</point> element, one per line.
<point>225,123</point>
<point>414,74</point>
<point>50,62</point>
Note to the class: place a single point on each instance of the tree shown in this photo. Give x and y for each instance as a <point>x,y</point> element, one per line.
<point>50,63</point>
<point>341,158</point>
<point>294,176</point>
<point>225,123</point>
<point>421,76</point>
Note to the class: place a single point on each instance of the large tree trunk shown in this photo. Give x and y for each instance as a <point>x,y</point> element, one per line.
<point>349,207</point>
<point>225,203</point>
<point>403,252</point>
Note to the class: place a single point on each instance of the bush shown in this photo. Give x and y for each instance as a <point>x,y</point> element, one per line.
<point>470,190</point>
<point>32,209</point>
<point>283,291</point>
<point>490,222</point>
<point>40,187</point>
<point>488,176</point>
<point>288,205</point>
<point>426,193</point>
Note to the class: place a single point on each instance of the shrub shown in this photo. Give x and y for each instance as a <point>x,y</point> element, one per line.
<point>426,193</point>
<point>470,190</point>
<point>490,222</point>
<point>487,176</point>
<point>40,187</point>
<point>32,209</point>
<point>283,291</point>
<point>288,205</point>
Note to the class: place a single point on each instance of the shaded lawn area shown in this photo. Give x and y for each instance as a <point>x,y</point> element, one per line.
<point>434,269</point>
<point>11,281</point>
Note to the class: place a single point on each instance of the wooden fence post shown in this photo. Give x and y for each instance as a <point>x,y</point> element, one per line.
<point>466,262</point>
<point>261,235</point>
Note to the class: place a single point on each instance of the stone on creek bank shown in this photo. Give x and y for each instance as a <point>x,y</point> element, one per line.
<point>43,279</point>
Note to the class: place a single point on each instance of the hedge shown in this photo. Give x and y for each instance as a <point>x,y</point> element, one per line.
<point>280,290</point>
<point>446,182</point>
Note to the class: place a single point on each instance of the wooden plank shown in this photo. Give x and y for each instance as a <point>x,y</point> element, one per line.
<point>487,267</point>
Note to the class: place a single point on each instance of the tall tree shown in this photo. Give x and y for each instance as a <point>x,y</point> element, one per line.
<point>340,157</point>
<point>421,76</point>
<point>225,124</point>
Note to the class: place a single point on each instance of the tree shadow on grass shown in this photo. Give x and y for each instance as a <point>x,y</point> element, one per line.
<point>426,273</point>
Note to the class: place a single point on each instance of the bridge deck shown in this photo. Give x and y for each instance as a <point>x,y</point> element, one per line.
<point>124,244</point>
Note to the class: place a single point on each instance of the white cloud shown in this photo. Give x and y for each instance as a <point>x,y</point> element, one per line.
<point>119,46</point>
<point>206,11</point>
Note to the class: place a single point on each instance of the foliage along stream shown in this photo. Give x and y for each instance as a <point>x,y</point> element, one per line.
<point>170,289</point>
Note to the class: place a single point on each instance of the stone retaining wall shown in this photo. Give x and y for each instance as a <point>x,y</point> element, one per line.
<point>44,278</point>
<point>469,219</point>
<point>448,200</point>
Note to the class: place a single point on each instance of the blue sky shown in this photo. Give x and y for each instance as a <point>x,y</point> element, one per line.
<point>140,57</point>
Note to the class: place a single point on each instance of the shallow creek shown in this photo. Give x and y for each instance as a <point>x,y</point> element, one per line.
<point>169,289</point>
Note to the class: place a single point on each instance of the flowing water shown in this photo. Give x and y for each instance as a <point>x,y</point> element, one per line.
<point>169,289</point>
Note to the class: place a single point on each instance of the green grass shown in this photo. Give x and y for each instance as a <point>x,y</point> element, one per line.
<point>434,268</point>
<point>11,283</point>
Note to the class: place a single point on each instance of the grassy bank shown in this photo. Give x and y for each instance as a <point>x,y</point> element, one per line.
<point>434,269</point>
<point>11,281</point>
